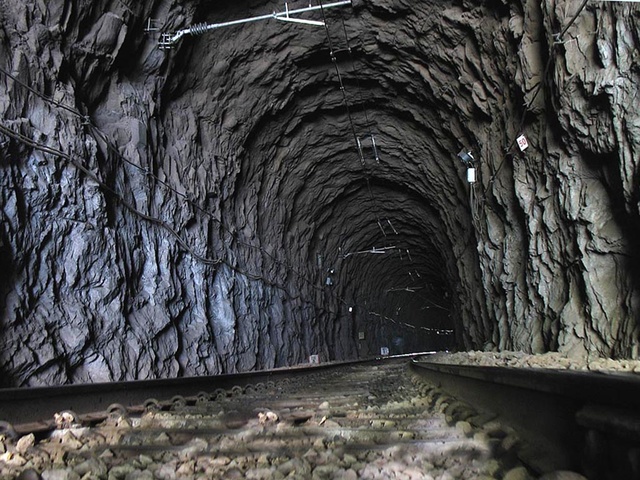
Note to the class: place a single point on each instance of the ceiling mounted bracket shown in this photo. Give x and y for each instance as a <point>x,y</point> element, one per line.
<point>168,40</point>
<point>303,21</point>
<point>361,140</point>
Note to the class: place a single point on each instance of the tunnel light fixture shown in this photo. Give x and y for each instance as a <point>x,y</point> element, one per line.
<point>329,280</point>
<point>466,157</point>
<point>168,40</point>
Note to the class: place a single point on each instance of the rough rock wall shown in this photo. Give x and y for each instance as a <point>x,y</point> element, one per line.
<point>200,197</point>
<point>566,218</point>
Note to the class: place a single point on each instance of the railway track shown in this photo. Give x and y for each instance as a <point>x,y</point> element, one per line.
<point>573,420</point>
<point>389,418</point>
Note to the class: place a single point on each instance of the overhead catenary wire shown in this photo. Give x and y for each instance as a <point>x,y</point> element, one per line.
<point>411,289</point>
<point>345,100</point>
<point>170,39</point>
<point>438,331</point>
<point>368,124</point>
<point>365,111</point>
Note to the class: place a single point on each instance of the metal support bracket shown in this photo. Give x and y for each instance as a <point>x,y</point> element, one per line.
<point>168,40</point>
<point>152,26</point>
<point>287,18</point>
<point>361,140</point>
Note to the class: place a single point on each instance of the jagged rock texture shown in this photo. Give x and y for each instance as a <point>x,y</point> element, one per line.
<point>201,195</point>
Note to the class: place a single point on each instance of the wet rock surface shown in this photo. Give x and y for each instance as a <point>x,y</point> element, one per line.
<point>202,210</point>
<point>367,422</point>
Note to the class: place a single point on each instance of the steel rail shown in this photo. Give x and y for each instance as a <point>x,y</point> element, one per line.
<point>612,388</point>
<point>33,406</point>
<point>575,420</point>
<point>568,420</point>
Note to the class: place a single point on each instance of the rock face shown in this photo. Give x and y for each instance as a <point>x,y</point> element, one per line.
<point>206,209</point>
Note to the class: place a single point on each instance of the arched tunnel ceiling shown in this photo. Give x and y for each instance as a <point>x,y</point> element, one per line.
<point>300,161</point>
<point>232,224</point>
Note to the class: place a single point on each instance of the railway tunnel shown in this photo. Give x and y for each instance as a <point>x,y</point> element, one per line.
<point>264,193</point>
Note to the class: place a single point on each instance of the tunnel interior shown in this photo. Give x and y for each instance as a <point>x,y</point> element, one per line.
<point>340,170</point>
<point>266,192</point>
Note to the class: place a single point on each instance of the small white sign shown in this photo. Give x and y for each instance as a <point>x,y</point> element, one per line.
<point>360,335</point>
<point>315,359</point>
<point>384,351</point>
<point>522,143</point>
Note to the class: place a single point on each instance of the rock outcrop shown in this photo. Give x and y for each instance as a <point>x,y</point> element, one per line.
<point>206,209</point>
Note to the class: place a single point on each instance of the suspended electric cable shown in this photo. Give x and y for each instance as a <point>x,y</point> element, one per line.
<point>97,133</point>
<point>210,261</point>
<point>206,260</point>
<point>438,331</point>
<point>345,99</point>
<point>557,40</point>
<point>41,95</point>
<point>46,149</point>
<point>414,290</point>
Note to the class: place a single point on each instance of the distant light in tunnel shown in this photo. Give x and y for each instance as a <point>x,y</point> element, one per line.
<point>329,280</point>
